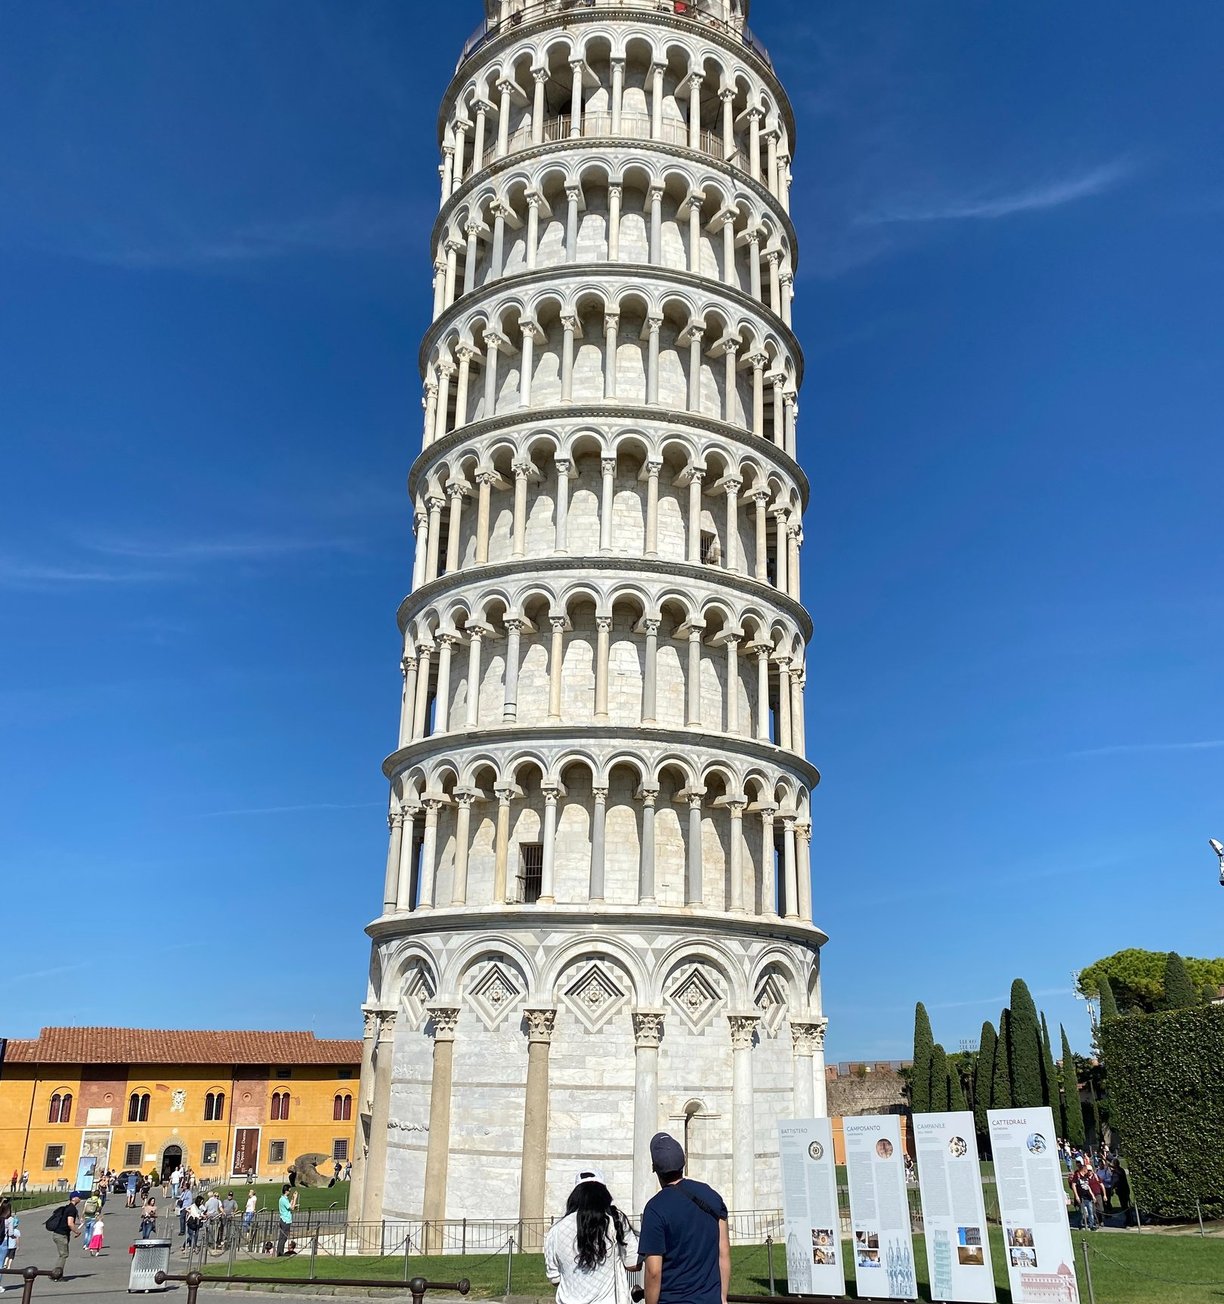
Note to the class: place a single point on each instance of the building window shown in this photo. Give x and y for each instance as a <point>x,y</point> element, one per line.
<point>710,552</point>
<point>54,1158</point>
<point>280,1106</point>
<point>342,1109</point>
<point>61,1108</point>
<point>138,1107</point>
<point>133,1154</point>
<point>284,1073</point>
<point>214,1106</point>
<point>340,1150</point>
<point>345,1073</point>
<point>276,1152</point>
<point>531,870</point>
<point>211,1154</point>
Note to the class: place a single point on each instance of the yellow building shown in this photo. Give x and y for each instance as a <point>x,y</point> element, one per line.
<point>221,1103</point>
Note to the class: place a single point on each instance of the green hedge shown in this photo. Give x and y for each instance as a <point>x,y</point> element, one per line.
<point>1166,1088</point>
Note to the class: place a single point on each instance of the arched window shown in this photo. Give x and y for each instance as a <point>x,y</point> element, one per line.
<point>280,1105</point>
<point>138,1107</point>
<point>342,1108</point>
<point>61,1108</point>
<point>214,1107</point>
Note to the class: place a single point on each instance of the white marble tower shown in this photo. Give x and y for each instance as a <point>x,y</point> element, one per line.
<point>597,917</point>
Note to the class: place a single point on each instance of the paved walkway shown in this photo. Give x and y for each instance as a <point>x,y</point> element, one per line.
<point>104,1280</point>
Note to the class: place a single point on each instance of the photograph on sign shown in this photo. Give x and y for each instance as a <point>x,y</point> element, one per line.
<point>811,1222</point>
<point>953,1211</point>
<point>1033,1206</point>
<point>879,1207</point>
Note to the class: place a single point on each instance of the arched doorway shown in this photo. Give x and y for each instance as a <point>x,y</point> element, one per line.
<point>171,1158</point>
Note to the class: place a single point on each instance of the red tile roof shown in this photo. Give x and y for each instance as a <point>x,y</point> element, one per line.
<point>168,1046</point>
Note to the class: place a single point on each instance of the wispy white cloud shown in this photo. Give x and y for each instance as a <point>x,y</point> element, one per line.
<point>16,573</point>
<point>1128,749</point>
<point>988,206</point>
<point>236,548</point>
<point>287,810</point>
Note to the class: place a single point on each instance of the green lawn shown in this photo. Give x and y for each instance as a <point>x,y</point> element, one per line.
<point>309,1197</point>
<point>34,1199</point>
<point>1127,1268</point>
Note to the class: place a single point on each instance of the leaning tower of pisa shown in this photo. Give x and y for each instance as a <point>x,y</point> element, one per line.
<point>597,914</point>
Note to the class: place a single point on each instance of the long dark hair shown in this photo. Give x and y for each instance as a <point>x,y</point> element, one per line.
<point>591,1203</point>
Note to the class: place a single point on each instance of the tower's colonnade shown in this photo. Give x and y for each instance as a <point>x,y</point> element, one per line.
<point>597,915</point>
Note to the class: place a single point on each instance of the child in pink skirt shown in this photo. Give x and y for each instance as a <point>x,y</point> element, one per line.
<point>95,1241</point>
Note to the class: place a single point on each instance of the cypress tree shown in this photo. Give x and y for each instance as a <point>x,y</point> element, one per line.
<point>920,1075</point>
<point>956,1092</point>
<point>983,1078</point>
<point>938,1101</point>
<point>1024,1048</point>
<point>1074,1114</point>
<point>1179,991</point>
<point>1000,1087</point>
<point>1109,1006</point>
<point>1049,1078</point>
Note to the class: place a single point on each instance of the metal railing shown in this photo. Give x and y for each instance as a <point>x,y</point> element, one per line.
<point>548,9</point>
<point>633,126</point>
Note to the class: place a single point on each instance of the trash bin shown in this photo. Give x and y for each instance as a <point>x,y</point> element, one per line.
<point>148,1259</point>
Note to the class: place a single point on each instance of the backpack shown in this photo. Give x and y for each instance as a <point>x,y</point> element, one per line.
<point>57,1224</point>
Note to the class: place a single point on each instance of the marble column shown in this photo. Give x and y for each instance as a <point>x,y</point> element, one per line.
<point>731,559</point>
<point>743,1147</point>
<point>736,810</point>
<point>563,466</point>
<point>446,652</point>
<point>696,476</point>
<point>803,1043</point>
<point>408,665</point>
<point>693,677</point>
<point>407,860</point>
<point>789,867</point>
<point>693,887</point>
<point>444,1019</point>
<point>652,508</point>
<point>603,640</point>
<point>576,68</point>
<point>484,484</point>
<point>420,708</point>
<point>805,872</point>
<point>506,89</point>
<point>522,473</point>
<point>535,1124</point>
<point>647,1032</point>
<point>650,628</point>
<point>599,824</point>
<point>380,1117</point>
<point>646,873</point>
<point>476,635</point>
<point>463,833</point>
<point>514,633</point>
<point>618,94</point>
<point>653,326</point>
<point>556,660</point>
<point>548,837</point>
<point>728,122</point>
<point>732,642</point>
<point>395,822</point>
<point>429,854</point>
<point>607,467</point>
<point>611,331</point>
<point>365,1092</point>
<point>501,846</point>
<point>819,1082</point>
<point>435,506</point>
<point>540,77</point>
<point>455,492</point>
<point>769,885</point>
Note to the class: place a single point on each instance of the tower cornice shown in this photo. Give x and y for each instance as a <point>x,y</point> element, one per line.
<point>489,734</point>
<point>491,572</point>
<point>697,920</point>
<point>609,274</point>
<point>490,45</point>
<point>559,416</point>
<point>597,144</point>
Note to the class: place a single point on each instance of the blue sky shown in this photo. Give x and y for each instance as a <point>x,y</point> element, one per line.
<point>215,274</point>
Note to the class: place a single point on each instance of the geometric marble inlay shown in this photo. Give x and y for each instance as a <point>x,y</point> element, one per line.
<point>695,998</point>
<point>594,997</point>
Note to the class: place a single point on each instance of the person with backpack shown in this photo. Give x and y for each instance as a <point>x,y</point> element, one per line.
<point>1082,1183</point>
<point>65,1225</point>
<point>12,1238</point>
<point>684,1242</point>
<point>91,1209</point>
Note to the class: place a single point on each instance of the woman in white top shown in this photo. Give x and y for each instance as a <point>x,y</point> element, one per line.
<point>588,1252</point>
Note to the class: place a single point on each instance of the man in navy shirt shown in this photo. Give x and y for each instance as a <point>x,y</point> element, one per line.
<point>684,1240</point>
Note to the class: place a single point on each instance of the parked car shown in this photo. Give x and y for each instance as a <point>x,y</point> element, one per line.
<point>120,1180</point>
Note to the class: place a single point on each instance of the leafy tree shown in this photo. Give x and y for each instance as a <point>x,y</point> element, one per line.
<point>1211,993</point>
<point>938,1099</point>
<point>1000,1085</point>
<point>1109,1007</point>
<point>920,1082</point>
<point>956,1091</point>
<point>1049,1078</point>
<point>1024,1048</point>
<point>982,1079</point>
<point>1073,1113</point>
<point>1179,991</point>
<point>1137,977</point>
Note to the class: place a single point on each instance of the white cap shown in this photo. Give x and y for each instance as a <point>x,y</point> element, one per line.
<point>589,1174</point>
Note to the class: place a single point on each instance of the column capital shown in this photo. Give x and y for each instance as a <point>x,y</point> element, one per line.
<point>654,324</point>
<point>647,1028</point>
<point>577,65</point>
<point>465,797</point>
<point>573,194</point>
<point>603,624</point>
<point>650,626</point>
<point>445,1018</point>
<point>807,1036</point>
<point>743,1027</point>
<point>612,320</point>
<point>607,465</point>
<point>513,624</point>
<point>558,624</point>
<point>570,323</point>
<point>434,503</point>
<point>370,1022</point>
<point>487,477</point>
<point>449,639</point>
<point>649,796</point>
<point>726,94</point>
<point>758,360</point>
<point>407,663</point>
<point>616,190</point>
<point>539,75</point>
<point>653,467</point>
<point>522,470</point>
<point>505,85</point>
<point>386,1024</point>
<point>466,352</point>
<point>695,79</point>
<point>540,1023</point>
<point>456,489</point>
<point>600,794</point>
<point>395,819</point>
<point>773,255</point>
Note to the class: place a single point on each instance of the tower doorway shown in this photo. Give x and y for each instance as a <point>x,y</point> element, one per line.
<point>172,1158</point>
